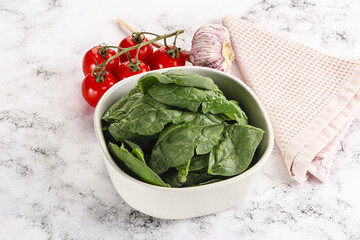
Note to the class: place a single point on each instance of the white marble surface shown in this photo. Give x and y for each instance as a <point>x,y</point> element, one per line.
<point>53,183</point>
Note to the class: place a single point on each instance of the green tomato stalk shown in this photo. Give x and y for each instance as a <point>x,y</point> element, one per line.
<point>99,71</point>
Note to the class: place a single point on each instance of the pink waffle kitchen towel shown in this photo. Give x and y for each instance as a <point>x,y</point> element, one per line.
<point>311,97</point>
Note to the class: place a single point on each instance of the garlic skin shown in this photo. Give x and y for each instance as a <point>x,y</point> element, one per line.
<point>211,47</point>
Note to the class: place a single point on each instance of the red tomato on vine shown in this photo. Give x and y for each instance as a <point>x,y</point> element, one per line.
<point>127,69</point>
<point>165,58</point>
<point>92,90</point>
<point>145,52</point>
<point>98,55</point>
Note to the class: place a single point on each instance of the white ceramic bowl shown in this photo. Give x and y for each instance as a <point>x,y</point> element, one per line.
<point>180,203</point>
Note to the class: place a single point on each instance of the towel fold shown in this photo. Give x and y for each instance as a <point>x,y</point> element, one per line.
<point>311,97</point>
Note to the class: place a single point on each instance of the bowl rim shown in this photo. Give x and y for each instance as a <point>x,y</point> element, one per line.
<point>101,140</point>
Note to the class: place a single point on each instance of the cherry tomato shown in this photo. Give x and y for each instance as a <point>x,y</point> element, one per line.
<point>145,52</point>
<point>124,70</point>
<point>161,59</point>
<point>93,54</point>
<point>92,90</point>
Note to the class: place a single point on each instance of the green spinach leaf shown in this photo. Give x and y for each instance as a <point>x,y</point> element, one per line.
<point>209,137</point>
<point>183,171</point>
<point>191,98</point>
<point>199,162</point>
<point>177,142</point>
<point>192,179</point>
<point>137,166</point>
<point>197,177</point>
<point>136,150</point>
<point>183,78</point>
<point>178,77</point>
<point>235,151</point>
<point>171,178</point>
<point>145,142</point>
<point>119,109</point>
<point>147,117</point>
<point>174,147</point>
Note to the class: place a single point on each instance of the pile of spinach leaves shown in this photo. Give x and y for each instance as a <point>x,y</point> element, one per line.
<point>177,129</point>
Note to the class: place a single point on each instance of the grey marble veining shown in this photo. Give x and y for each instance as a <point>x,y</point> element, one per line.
<point>53,183</point>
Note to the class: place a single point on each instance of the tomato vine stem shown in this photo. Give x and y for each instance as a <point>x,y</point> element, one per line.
<point>102,66</point>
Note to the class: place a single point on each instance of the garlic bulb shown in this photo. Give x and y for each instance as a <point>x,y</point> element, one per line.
<point>211,47</point>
